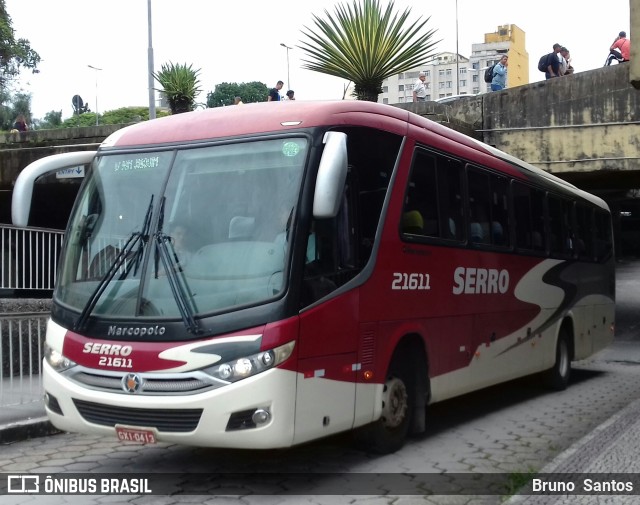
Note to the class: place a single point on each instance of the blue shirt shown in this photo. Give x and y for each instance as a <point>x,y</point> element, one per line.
<point>500,75</point>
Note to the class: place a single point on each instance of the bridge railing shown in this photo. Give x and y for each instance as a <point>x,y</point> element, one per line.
<point>29,257</point>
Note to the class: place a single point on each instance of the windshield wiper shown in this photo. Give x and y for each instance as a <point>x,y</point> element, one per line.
<point>171,266</point>
<point>140,237</point>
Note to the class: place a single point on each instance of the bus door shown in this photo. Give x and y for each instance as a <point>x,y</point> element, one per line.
<point>328,332</point>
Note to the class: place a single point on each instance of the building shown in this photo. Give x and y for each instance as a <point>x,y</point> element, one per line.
<point>449,74</point>
<point>441,80</point>
<point>509,40</point>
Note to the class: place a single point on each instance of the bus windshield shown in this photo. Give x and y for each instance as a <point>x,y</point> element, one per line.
<point>182,232</point>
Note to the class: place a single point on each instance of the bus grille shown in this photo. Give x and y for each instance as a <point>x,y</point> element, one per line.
<point>160,384</point>
<point>168,420</point>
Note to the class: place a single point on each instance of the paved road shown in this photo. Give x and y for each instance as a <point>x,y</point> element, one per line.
<point>500,434</point>
<point>510,429</point>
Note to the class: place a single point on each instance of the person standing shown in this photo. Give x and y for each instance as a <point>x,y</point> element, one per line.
<point>565,64</point>
<point>420,88</point>
<point>274,93</point>
<point>620,49</point>
<point>289,95</point>
<point>238,101</point>
<point>553,63</point>
<point>499,80</point>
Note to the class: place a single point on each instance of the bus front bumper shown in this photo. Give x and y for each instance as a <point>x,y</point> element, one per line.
<point>226,418</point>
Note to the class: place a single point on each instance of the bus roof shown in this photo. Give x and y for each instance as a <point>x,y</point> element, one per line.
<point>268,117</point>
<point>256,118</point>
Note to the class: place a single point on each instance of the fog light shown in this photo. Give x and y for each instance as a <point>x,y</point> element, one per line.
<point>261,416</point>
<point>225,371</point>
<point>51,402</point>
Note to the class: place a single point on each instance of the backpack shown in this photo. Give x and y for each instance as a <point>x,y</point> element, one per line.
<point>488,73</point>
<point>542,64</point>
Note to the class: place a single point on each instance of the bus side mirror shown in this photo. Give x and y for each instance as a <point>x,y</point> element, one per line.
<point>332,175</point>
<point>23,188</point>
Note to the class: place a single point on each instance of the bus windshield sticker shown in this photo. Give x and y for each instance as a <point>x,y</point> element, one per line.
<point>135,164</point>
<point>290,149</point>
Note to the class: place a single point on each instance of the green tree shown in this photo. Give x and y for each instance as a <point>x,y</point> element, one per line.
<point>124,115</point>
<point>15,54</point>
<point>12,105</point>
<point>362,44</point>
<point>225,92</point>
<point>51,121</point>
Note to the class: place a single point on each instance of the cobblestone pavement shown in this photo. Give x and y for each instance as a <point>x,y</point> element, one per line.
<point>501,435</point>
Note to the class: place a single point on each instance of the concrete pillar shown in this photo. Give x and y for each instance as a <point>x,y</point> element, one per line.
<point>634,36</point>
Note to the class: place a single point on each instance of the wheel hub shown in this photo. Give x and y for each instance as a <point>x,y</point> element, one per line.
<point>394,403</point>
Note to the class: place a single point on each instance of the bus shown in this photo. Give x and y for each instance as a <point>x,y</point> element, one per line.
<point>262,276</point>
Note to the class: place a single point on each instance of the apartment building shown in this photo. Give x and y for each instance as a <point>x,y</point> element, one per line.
<point>449,74</point>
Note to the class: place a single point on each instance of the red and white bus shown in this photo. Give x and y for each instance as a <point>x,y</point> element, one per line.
<point>262,276</point>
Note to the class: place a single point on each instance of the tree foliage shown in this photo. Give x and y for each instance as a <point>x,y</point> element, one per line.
<point>123,115</point>
<point>363,44</point>
<point>12,105</point>
<point>180,84</point>
<point>52,120</point>
<point>15,54</point>
<point>225,92</point>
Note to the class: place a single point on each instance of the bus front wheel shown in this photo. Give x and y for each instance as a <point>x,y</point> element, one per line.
<point>388,434</point>
<point>557,377</point>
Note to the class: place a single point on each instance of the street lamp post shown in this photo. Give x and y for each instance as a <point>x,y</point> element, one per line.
<point>152,104</point>
<point>96,69</point>
<point>457,55</point>
<point>288,78</point>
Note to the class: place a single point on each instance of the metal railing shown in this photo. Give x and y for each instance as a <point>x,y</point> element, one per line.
<point>29,257</point>
<point>22,337</point>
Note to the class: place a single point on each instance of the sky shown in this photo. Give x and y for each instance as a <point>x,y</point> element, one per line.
<point>241,42</point>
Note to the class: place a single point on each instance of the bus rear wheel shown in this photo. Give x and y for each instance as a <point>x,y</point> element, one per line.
<point>388,434</point>
<point>557,377</point>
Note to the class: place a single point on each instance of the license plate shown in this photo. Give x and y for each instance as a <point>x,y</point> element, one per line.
<point>139,436</point>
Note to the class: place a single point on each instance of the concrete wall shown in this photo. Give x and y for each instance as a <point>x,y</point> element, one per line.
<point>578,123</point>
<point>582,127</point>
<point>17,150</point>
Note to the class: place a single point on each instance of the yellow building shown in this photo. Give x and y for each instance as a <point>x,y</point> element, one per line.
<point>509,40</point>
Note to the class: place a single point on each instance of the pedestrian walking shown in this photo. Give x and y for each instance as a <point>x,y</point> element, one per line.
<point>274,93</point>
<point>420,88</point>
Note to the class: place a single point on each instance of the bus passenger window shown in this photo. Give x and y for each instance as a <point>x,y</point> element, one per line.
<point>433,201</point>
<point>584,230</point>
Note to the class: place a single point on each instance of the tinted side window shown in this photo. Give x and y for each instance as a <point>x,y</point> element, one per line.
<point>488,208</point>
<point>584,232</point>
<point>528,205</point>
<point>433,201</point>
<point>604,239</point>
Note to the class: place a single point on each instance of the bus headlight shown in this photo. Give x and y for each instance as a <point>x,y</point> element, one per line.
<point>244,367</point>
<point>56,360</point>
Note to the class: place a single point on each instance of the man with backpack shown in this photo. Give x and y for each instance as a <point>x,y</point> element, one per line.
<point>499,80</point>
<point>550,63</point>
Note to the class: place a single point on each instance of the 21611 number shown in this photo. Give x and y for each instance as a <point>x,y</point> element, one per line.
<point>412,282</point>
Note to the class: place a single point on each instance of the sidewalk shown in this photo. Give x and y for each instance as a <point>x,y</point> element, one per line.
<point>22,416</point>
<point>605,454</point>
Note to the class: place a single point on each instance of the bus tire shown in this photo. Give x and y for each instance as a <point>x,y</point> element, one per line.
<point>388,434</point>
<point>557,377</point>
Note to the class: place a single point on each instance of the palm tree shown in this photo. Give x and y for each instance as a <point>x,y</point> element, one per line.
<point>180,84</point>
<point>362,44</point>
